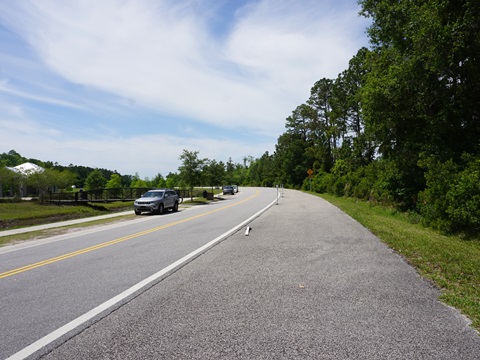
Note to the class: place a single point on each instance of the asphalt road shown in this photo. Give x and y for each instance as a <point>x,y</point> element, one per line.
<point>54,287</point>
<point>308,282</point>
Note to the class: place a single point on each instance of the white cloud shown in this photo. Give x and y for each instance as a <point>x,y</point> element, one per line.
<point>162,55</point>
<point>121,59</point>
<point>4,88</point>
<point>288,41</point>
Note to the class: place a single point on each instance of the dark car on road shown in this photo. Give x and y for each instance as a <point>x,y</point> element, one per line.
<point>156,201</point>
<point>228,189</point>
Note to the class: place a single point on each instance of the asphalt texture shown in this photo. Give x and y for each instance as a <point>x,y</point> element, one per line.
<point>308,282</point>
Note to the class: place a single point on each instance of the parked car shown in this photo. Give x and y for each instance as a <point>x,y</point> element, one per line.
<point>156,201</point>
<point>228,189</point>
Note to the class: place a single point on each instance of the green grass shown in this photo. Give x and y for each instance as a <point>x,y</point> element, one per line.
<point>451,262</point>
<point>40,234</point>
<point>21,214</point>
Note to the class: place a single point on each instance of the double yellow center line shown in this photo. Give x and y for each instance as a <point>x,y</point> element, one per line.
<point>115,241</point>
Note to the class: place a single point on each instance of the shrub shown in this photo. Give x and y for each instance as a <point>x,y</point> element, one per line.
<point>432,201</point>
<point>463,199</point>
<point>451,200</point>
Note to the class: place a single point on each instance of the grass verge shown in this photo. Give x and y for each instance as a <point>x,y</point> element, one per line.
<point>22,214</point>
<point>40,234</point>
<point>451,262</point>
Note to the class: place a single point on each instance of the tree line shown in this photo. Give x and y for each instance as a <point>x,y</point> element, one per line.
<point>401,125</point>
<point>54,174</point>
<point>194,171</point>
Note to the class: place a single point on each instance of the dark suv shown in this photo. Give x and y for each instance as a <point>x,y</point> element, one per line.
<point>156,201</point>
<point>228,189</point>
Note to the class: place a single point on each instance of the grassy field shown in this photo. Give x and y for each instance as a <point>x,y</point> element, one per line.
<point>21,214</point>
<point>451,262</point>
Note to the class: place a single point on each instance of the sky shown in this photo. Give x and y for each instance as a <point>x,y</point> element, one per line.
<point>128,85</point>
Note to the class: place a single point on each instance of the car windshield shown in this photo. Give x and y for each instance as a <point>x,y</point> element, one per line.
<point>151,194</point>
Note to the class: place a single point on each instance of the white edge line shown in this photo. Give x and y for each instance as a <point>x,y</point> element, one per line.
<point>72,325</point>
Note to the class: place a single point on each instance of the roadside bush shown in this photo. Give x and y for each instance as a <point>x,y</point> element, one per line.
<point>320,183</point>
<point>338,186</point>
<point>317,183</point>
<point>433,200</point>
<point>339,181</point>
<point>463,199</point>
<point>358,184</point>
<point>451,200</point>
<point>369,182</point>
<point>374,185</point>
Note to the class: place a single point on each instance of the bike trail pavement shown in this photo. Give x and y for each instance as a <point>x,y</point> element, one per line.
<point>308,282</point>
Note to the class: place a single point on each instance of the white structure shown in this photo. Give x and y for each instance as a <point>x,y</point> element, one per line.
<point>27,169</point>
<point>23,170</point>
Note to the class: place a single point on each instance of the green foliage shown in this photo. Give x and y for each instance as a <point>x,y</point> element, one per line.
<point>137,182</point>
<point>295,162</point>
<point>213,173</point>
<point>451,201</point>
<point>159,181</point>
<point>114,182</point>
<point>392,128</point>
<point>421,95</point>
<point>463,199</point>
<point>191,169</point>
<point>50,180</point>
<point>7,177</point>
<point>172,180</point>
<point>95,180</point>
<point>432,201</point>
<point>80,173</point>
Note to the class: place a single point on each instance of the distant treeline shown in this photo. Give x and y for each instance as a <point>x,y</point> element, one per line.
<point>13,158</point>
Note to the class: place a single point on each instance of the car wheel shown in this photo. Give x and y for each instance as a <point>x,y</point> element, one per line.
<point>160,209</point>
<point>137,212</point>
<point>175,206</point>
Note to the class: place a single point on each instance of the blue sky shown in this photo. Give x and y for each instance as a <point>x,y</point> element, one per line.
<point>127,85</point>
